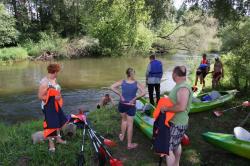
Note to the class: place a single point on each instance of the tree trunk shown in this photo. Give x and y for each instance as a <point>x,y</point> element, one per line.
<point>15,8</point>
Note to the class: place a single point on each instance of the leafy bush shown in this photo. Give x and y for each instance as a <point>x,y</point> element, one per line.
<point>236,42</point>
<point>144,38</point>
<point>13,53</point>
<point>48,42</point>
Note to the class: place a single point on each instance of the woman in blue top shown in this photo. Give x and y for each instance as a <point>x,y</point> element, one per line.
<point>126,106</point>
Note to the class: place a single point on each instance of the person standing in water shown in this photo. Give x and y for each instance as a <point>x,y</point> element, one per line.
<point>181,96</point>
<point>105,101</point>
<point>218,72</point>
<point>126,107</point>
<point>49,94</point>
<point>153,78</point>
<point>202,71</point>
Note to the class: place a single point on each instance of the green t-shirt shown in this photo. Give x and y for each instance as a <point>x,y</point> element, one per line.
<point>181,118</point>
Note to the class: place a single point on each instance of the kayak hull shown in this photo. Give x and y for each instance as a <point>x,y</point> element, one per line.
<point>229,143</point>
<point>205,106</point>
<point>145,122</point>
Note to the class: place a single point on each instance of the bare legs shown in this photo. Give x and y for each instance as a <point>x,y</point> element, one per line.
<point>174,157</point>
<point>123,126</point>
<point>58,138</point>
<point>127,125</point>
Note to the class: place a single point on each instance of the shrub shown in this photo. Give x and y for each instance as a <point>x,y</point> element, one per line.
<point>13,53</point>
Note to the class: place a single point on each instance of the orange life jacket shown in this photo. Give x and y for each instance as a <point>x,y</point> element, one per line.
<point>204,61</point>
<point>52,92</point>
<point>164,102</point>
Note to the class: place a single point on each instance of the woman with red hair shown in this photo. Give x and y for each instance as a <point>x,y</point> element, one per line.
<point>49,94</point>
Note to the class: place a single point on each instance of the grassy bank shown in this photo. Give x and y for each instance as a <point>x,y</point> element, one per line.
<point>13,54</point>
<point>17,149</point>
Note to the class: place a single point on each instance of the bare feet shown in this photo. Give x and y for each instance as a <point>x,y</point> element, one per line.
<point>132,146</point>
<point>121,137</point>
<point>51,146</point>
<point>60,140</point>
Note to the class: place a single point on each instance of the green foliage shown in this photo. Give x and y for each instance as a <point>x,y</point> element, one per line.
<point>144,38</point>
<point>13,53</point>
<point>47,42</point>
<point>236,42</point>
<point>8,32</point>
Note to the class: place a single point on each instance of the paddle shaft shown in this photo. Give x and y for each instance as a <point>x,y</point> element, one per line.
<point>232,108</point>
<point>245,120</point>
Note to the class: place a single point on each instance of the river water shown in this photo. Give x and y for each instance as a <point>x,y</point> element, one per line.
<point>83,83</point>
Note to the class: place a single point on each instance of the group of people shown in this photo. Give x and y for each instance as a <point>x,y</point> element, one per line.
<point>204,69</point>
<point>131,90</point>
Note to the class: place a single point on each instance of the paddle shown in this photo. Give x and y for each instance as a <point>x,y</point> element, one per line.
<point>112,161</point>
<point>106,141</point>
<point>220,113</point>
<point>81,159</point>
<point>101,157</point>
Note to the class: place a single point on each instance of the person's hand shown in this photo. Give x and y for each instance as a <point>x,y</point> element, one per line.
<point>164,109</point>
<point>58,97</point>
<point>132,102</point>
<point>122,99</point>
<point>246,103</point>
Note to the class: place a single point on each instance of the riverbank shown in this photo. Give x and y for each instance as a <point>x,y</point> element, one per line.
<point>17,148</point>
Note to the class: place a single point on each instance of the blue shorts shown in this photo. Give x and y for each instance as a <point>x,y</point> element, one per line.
<point>129,110</point>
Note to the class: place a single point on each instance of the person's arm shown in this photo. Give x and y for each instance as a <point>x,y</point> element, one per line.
<point>182,101</point>
<point>112,101</point>
<point>141,94</point>
<point>42,91</point>
<point>114,88</point>
<point>147,74</point>
<point>101,101</point>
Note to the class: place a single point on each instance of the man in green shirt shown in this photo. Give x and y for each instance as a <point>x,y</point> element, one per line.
<point>181,96</point>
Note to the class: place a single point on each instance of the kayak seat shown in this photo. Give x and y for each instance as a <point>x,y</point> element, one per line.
<point>242,134</point>
<point>149,120</point>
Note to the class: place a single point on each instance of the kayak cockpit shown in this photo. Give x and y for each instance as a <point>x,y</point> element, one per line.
<point>241,134</point>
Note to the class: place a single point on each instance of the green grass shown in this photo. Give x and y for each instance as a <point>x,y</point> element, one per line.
<point>13,54</point>
<point>17,149</point>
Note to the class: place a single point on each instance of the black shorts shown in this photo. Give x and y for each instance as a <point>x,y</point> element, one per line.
<point>202,72</point>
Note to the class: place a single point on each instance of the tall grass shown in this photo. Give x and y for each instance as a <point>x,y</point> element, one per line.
<point>48,42</point>
<point>17,149</point>
<point>13,53</point>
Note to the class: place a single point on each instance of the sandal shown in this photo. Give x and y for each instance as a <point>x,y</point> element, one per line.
<point>121,137</point>
<point>132,146</point>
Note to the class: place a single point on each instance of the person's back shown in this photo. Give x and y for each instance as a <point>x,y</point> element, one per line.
<point>129,90</point>
<point>153,78</point>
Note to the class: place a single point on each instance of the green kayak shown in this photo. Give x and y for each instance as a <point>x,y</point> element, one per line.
<point>145,121</point>
<point>228,142</point>
<point>225,97</point>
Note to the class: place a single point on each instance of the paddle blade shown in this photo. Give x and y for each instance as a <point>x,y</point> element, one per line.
<point>218,113</point>
<point>109,142</point>
<point>115,162</point>
<point>185,140</point>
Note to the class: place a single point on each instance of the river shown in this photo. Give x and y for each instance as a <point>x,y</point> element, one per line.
<point>83,83</point>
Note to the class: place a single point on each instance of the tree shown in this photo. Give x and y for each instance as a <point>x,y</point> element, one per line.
<point>236,43</point>
<point>8,32</point>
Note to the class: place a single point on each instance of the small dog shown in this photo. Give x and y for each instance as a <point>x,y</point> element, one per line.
<point>38,137</point>
<point>69,130</point>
